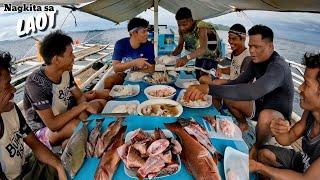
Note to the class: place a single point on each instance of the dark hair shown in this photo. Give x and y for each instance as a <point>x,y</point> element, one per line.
<point>54,44</point>
<point>137,22</point>
<point>238,27</point>
<point>312,60</point>
<point>264,31</point>
<point>183,13</point>
<point>6,61</point>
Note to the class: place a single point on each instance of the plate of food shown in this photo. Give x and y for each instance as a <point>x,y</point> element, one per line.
<point>200,103</point>
<point>159,78</point>
<point>222,127</point>
<point>129,107</point>
<point>160,92</point>
<point>239,170</point>
<point>166,60</point>
<point>135,76</point>
<point>124,91</point>
<point>160,107</point>
<point>150,154</point>
<point>185,83</point>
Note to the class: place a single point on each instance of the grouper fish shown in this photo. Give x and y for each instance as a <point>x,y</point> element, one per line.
<point>75,151</point>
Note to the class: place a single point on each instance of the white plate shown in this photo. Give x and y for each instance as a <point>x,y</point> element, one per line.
<point>133,174</point>
<point>160,101</point>
<point>219,134</point>
<point>113,104</point>
<point>166,60</point>
<point>240,168</point>
<point>158,87</point>
<point>180,97</point>
<point>136,89</point>
<point>180,83</point>
<point>128,77</point>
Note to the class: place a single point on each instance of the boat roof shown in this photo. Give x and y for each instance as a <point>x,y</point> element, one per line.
<point>122,10</point>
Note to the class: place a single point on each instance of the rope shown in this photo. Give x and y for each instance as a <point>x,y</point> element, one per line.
<point>75,20</point>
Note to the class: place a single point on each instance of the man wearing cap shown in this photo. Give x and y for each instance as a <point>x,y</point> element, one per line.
<point>199,38</point>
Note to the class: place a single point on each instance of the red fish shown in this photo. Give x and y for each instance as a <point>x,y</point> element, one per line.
<point>110,159</point>
<point>196,157</point>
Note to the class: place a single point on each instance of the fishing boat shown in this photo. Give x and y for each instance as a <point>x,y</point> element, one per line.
<point>87,55</point>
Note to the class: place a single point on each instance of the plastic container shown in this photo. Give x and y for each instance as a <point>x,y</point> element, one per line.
<point>158,87</point>
<point>236,164</point>
<point>133,174</point>
<point>180,97</point>
<point>113,104</point>
<point>135,88</point>
<point>181,83</point>
<point>217,133</point>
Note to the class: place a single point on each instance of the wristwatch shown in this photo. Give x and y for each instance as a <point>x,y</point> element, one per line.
<point>188,57</point>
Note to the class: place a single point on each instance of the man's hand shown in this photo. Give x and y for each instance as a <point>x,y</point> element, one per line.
<point>142,63</point>
<point>90,95</point>
<point>254,166</point>
<point>181,62</point>
<point>92,107</point>
<point>218,73</point>
<point>205,79</point>
<point>279,126</point>
<point>196,92</point>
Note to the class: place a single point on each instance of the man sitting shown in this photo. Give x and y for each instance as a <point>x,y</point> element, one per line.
<point>42,164</point>
<point>269,97</point>
<point>280,163</point>
<point>134,53</point>
<point>53,103</point>
<point>240,58</point>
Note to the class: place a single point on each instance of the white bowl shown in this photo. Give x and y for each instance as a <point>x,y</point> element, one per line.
<point>160,101</point>
<point>158,87</point>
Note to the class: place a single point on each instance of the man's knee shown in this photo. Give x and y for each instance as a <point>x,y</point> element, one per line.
<point>267,115</point>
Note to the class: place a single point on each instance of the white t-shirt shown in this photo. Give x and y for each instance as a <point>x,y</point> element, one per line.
<point>11,143</point>
<point>236,62</point>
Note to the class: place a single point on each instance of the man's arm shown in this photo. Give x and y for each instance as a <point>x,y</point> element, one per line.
<point>284,174</point>
<point>179,48</point>
<point>287,138</point>
<point>44,155</point>
<point>140,63</point>
<point>54,123</point>
<point>78,95</point>
<point>245,91</point>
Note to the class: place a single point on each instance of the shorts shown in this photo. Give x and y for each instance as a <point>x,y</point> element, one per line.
<point>287,158</point>
<point>204,65</point>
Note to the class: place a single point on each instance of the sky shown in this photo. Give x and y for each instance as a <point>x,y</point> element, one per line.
<point>304,27</point>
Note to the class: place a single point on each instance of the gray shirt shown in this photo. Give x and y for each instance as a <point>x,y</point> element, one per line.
<point>273,86</point>
<point>40,93</point>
